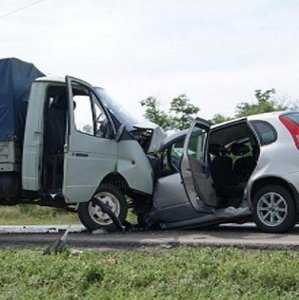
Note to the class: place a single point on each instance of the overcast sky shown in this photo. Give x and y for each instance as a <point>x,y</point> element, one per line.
<point>216,52</point>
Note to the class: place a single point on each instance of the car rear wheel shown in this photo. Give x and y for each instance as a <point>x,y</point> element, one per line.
<point>91,214</point>
<point>274,209</point>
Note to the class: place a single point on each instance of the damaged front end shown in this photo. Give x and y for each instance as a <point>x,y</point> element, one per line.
<point>179,200</point>
<point>149,135</point>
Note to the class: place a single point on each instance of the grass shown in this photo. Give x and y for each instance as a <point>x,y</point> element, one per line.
<point>35,215</point>
<point>181,273</point>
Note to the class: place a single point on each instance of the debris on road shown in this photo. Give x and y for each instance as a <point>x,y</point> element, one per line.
<point>59,245</point>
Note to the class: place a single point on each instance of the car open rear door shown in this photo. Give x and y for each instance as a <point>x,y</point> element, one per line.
<point>194,167</point>
<point>90,154</point>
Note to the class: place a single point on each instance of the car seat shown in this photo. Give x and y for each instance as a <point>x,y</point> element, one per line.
<point>55,140</point>
<point>244,165</point>
<point>221,168</point>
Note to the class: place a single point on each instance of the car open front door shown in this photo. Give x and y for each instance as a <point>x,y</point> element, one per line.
<point>194,167</point>
<point>90,150</point>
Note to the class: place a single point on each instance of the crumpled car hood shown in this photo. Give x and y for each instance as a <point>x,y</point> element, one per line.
<point>158,136</point>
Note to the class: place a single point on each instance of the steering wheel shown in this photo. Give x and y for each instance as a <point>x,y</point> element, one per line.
<point>101,128</point>
<point>173,163</point>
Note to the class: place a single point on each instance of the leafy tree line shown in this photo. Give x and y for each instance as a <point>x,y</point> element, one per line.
<point>181,112</point>
<point>179,116</point>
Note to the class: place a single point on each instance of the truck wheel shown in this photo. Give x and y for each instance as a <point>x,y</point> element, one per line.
<point>274,209</point>
<point>91,215</point>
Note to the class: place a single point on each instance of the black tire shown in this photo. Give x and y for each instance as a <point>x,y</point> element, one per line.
<point>89,221</point>
<point>289,219</point>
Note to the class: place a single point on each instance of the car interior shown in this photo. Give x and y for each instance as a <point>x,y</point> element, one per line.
<point>169,158</point>
<point>232,156</point>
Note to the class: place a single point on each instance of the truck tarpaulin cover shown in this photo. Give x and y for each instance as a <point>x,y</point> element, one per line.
<point>16,77</point>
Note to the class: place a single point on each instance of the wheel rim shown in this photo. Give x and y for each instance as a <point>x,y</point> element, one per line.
<point>96,212</point>
<point>272,209</point>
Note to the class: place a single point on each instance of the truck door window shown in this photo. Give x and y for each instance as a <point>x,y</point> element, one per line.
<point>83,116</point>
<point>101,121</point>
<point>89,116</point>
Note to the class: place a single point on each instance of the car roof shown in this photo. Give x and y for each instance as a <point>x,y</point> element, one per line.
<point>173,137</point>
<point>263,116</point>
<point>269,115</point>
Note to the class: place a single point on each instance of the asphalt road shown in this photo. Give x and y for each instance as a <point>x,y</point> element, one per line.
<point>245,236</point>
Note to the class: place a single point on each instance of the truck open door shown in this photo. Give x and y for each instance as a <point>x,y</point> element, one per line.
<point>90,150</point>
<point>33,139</point>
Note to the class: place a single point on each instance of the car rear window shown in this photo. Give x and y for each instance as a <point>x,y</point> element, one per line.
<point>294,117</point>
<point>265,131</point>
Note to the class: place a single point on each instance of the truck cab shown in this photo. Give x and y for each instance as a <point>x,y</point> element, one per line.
<point>77,151</point>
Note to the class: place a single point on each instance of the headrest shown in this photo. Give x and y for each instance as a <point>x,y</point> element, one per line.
<point>240,149</point>
<point>59,102</point>
<point>216,149</point>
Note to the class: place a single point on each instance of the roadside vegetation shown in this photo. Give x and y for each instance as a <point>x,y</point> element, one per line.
<point>181,111</point>
<point>28,214</point>
<point>181,273</point>
<point>35,215</point>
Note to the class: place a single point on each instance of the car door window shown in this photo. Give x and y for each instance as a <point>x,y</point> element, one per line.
<point>196,144</point>
<point>176,153</point>
<point>265,131</point>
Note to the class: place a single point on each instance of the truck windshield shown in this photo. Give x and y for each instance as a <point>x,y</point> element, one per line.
<point>115,108</point>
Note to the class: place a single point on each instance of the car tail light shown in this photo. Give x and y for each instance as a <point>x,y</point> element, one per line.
<point>292,127</point>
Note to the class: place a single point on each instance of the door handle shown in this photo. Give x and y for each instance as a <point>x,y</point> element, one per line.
<point>78,154</point>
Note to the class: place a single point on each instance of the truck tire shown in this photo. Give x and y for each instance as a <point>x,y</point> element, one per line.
<point>91,215</point>
<point>274,209</point>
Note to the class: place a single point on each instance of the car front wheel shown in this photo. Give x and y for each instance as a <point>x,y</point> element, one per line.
<point>91,214</point>
<point>274,209</point>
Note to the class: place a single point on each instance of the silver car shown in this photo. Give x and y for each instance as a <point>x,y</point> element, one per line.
<point>233,172</point>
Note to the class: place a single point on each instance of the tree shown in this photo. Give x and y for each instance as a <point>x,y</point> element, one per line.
<point>219,118</point>
<point>265,103</point>
<point>154,113</point>
<point>180,114</point>
<point>183,112</point>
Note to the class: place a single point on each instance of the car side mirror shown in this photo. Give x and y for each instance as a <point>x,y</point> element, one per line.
<point>120,132</point>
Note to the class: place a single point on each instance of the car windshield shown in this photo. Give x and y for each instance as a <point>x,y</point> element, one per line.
<point>115,108</point>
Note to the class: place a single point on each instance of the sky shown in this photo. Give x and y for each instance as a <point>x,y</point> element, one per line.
<point>216,52</point>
